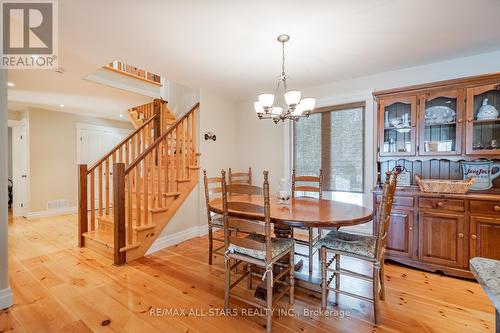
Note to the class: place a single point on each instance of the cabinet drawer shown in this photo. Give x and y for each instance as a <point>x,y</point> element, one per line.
<point>485,207</point>
<point>399,201</point>
<point>444,204</point>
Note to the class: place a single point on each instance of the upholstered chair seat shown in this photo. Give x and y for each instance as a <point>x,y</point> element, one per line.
<point>279,245</point>
<point>349,243</point>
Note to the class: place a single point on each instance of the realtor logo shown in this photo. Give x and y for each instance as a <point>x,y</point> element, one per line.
<point>29,34</point>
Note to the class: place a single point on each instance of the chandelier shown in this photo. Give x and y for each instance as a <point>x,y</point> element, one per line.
<point>295,108</point>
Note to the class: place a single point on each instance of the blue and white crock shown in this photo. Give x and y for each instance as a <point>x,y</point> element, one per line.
<point>481,170</point>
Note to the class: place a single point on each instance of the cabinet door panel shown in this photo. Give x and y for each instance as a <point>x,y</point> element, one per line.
<point>400,233</point>
<point>441,239</point>
<point>485,237</point>
<point>397,126</point>
<point>440,122</point>
<point>483,123</point>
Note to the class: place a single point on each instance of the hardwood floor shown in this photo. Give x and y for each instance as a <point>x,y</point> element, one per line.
<point>61,288</point>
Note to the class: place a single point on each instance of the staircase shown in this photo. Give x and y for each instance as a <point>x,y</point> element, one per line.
<point>140,114</point>
<point>128,197</point>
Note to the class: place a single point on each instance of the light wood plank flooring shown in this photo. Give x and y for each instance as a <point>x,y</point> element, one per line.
<point>61,288</point>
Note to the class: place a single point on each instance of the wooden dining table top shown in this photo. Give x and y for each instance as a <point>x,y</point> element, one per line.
<point>303,212</point>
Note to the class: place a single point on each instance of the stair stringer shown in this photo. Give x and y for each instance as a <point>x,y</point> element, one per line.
<point>162,220</point>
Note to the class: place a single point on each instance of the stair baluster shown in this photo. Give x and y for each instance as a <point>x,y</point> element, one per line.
<point>137,180</point>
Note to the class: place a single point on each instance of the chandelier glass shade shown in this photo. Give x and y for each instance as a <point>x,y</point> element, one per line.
<point>296,105</point>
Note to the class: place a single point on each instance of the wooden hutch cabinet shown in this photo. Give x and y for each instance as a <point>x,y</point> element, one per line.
<point>430,130</point>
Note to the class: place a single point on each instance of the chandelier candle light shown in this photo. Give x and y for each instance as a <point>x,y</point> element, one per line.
<point>296,107</point>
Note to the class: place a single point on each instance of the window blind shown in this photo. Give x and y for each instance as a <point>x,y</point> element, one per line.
<point>332,140</point>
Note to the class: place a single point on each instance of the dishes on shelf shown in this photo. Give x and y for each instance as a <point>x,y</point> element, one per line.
<point>402,124</point>
<point>486,111</point>
<point>438,115</point>
<point>439,146</point>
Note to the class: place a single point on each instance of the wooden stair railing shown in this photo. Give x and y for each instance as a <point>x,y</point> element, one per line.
<point>141,113</point>
<point>100,175</point>
<point>154,174</point>
<point>146,190</point>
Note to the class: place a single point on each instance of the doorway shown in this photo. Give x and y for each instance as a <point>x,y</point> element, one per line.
<point>17,168</point>
<point>93,142</point>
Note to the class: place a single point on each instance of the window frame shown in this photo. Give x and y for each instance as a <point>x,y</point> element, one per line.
<point>334,108</point>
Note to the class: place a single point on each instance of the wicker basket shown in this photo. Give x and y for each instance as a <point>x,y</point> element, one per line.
<point>445,186</point>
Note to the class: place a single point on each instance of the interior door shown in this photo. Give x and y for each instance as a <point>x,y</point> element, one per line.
<point>93,144</point>
<point>19,171</point>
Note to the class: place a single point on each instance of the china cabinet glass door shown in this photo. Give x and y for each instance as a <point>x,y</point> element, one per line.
<point>441,122</point>
<point>483,122</point>
<point>397,121</point>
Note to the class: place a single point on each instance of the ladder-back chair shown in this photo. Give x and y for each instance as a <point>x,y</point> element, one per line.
<point>308,184</point>
<point>258,247</point>
<point>240,177</point>
<point>213,189</point>
<point>365,247</point>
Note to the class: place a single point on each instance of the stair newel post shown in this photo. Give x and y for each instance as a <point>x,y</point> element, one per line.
<point>158,118</point>
<point>82,204</point>
<point>119,213</point>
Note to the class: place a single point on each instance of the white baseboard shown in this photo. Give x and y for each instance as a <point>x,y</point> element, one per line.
<point>49,213</point>
<point>172,239</point>
<point>5,298</point>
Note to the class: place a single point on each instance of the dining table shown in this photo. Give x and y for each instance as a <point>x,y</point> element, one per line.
<point>301,212</point>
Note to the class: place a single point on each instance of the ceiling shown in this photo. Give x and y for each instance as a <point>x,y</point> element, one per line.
<point>230,48</point>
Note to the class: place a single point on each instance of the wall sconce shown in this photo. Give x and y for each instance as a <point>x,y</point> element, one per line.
<point>210,136</point>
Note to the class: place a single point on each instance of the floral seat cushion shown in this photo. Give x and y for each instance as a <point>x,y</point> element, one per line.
<point>279,245</point>
<point>362,245</point>
<point>218,220</point>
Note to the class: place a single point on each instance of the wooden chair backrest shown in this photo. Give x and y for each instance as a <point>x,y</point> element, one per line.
<point>213,188</point>
<point>240,177</point>
<point>313,184</point>
<point>261,224</point>
<point>388,190</point>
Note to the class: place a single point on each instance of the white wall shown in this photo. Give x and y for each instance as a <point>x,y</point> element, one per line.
<point>262,144</point>
<point>217,115</point>
<point>5,292</point>
<point>180,98</point>
<point>52,156</point>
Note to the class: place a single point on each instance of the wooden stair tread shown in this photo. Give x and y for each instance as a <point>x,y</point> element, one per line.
<point>130,246</point>
<point>144,227</point>
<point>100,236</point>
<point>171,194</point>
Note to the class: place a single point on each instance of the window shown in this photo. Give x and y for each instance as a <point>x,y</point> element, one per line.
<point>332,139</point>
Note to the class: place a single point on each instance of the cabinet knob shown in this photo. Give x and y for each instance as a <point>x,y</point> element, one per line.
<point>411,228</point>
<point>469,120</point>
<point>496,208</point>
<point>473,236</point>
<point>460,121</point>
<point>461,235</point>
<point>441,204</point>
